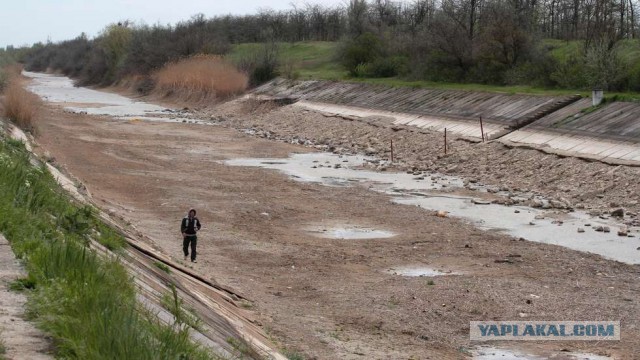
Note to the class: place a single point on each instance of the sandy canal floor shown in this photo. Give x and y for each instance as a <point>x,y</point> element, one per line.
<point>265,234</point>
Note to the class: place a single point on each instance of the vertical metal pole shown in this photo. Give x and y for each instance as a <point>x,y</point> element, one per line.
<point>445,141</point>
<point>391,150</point>
<point>481,129</point>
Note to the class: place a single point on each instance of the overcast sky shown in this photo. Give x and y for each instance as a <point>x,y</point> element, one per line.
<point>24,22</point>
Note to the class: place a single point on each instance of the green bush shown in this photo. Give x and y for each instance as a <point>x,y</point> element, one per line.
<point>570,74</point>
<point>388,66</point>
<point>261,65</point>
<point>364,49</point>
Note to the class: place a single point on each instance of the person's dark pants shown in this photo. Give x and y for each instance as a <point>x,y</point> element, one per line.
<point>193,240</point>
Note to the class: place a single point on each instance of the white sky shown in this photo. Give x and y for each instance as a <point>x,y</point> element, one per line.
<point>24,22</point>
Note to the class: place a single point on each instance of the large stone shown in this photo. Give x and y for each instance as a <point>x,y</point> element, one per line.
<point>618,213</point>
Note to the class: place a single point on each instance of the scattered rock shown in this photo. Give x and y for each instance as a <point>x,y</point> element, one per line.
<point>536,203</point>
<point>606,229</point>
<point>517,211</point>
<point>503,261</point>
<point>480,202</point>
<point>580,230</point>
<point>618,213</point>
<point>539,217</point>
<point>442,213</point>
<point>623,232</point>
<point>599,228</point>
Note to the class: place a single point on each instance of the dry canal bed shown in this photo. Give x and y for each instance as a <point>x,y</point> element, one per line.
<point>333,298</point>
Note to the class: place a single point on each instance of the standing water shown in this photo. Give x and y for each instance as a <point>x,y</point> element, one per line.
<point>426,192</point>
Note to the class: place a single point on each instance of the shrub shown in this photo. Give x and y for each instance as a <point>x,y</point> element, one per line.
<point>261,65</point>
<point>201,77</point>
<point>570,73</point>
<point>388,66</point>
<point>20,105</point>
<point>363,49</point>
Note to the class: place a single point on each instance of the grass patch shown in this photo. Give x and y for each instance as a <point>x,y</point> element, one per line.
<point>175,306</point>
<point>292,355</point>
<point>240,346</point>
<point>303,60</point>
<point>86,303</point>
<point>22,284</point>
<point>162,266</point>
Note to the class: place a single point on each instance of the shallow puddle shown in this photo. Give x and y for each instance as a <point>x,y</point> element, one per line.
<point>418,271</point>
<point>494,353</point>
<point>408,189</point>
<point>350,233</point>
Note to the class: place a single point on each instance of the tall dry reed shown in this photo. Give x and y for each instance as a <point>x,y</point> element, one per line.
<point>201,78</point>
<point>20,105</point>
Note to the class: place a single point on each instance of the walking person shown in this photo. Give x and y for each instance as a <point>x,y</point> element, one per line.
<point>189,227</point>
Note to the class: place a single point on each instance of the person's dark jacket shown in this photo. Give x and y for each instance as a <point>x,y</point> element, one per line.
<point>190,226</point>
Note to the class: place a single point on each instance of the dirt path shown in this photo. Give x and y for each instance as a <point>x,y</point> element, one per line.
<point>327,298</point>
<point>19,337</point>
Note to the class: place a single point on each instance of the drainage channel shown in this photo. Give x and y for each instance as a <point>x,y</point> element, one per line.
<point>576,230</point>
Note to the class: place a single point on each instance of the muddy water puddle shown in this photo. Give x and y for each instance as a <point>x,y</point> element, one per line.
<point>419,271</point>
<point>348,232</point>
<point>495,353</point>
<point>432,192</point>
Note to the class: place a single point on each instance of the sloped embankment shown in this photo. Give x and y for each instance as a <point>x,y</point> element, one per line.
<point>459,111</point>
<point>610,133</point>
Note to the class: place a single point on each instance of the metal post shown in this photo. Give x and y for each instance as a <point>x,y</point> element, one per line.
<point>391,150</point>
<point>445,141</point>
<point>481,129</point>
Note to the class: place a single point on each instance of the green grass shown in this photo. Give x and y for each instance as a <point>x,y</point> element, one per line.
<point>175,306</point>
<point>318,60</point>
<point>309,60</point>
<point>85,302</point>
<point>162,267</point>
<point>22,284</point>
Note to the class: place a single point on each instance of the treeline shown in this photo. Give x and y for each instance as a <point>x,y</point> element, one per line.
<point>484,41</point>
